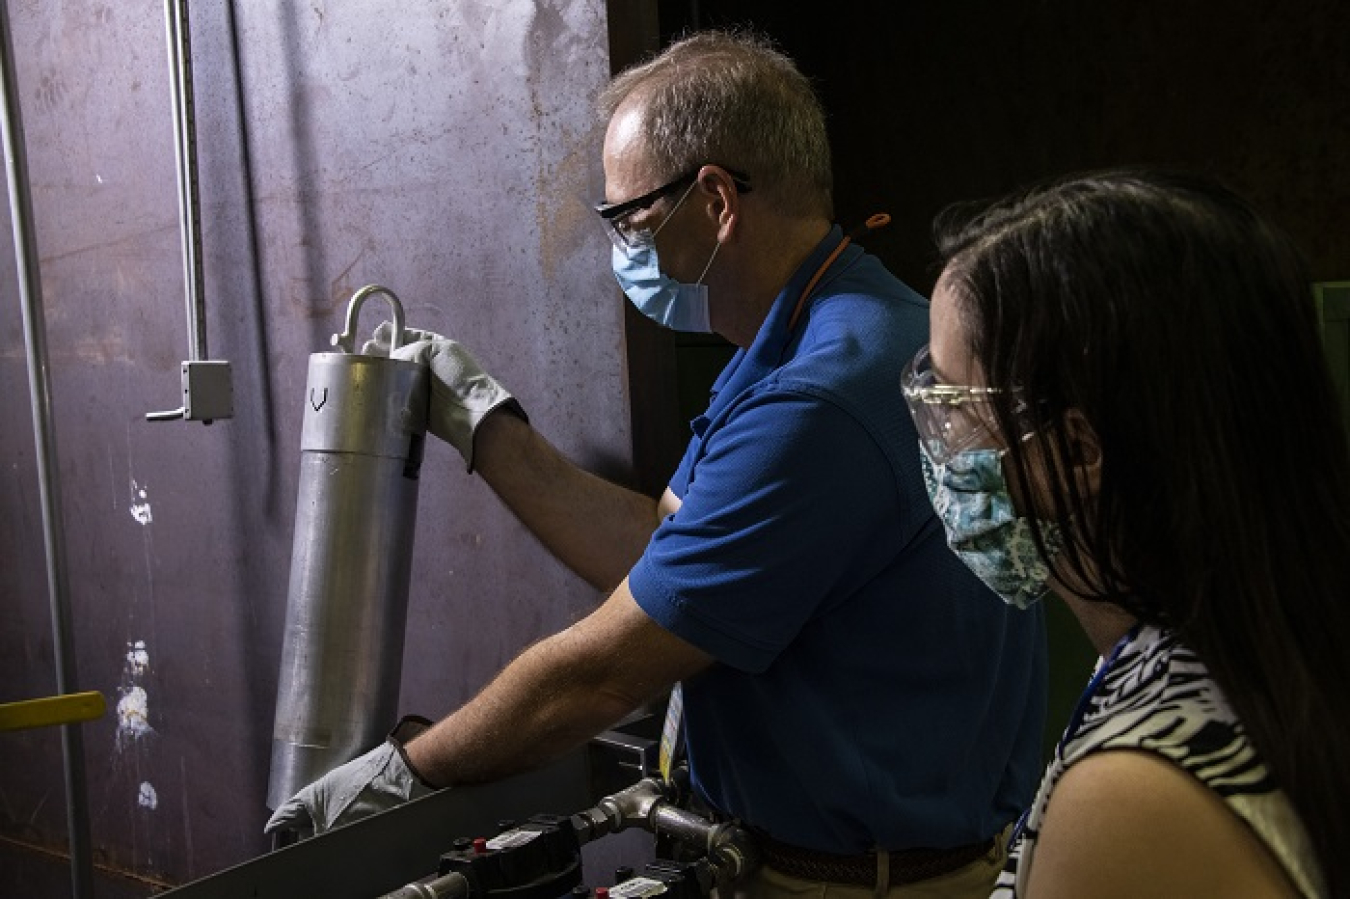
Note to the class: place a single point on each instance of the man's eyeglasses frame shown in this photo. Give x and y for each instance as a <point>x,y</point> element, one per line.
<point>613,214</point>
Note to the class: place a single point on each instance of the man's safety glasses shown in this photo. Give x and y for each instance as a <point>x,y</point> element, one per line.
<point>947,416</point>
<point>616,215</point>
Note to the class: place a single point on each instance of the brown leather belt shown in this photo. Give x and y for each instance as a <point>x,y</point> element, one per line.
<point>906,865</point>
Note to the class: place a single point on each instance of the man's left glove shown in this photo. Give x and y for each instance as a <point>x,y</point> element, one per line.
<point>374,782</point>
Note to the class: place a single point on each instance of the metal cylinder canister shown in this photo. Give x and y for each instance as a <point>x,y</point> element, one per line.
<point>356,508</point>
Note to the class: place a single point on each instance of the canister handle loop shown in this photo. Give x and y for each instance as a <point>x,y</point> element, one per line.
<point>346,341</point>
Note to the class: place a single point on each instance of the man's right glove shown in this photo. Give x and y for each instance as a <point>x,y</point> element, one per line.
<point>462,393</point>
<point>374,782</point>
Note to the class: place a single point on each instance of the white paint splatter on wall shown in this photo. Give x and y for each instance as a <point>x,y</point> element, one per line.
<point>133,716</point>
<point>133,708</point>
<point>140,504</point>
<point>148,798</point>
<point>138,660</point>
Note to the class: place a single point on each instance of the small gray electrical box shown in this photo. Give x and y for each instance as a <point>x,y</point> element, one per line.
<point>208,393</point>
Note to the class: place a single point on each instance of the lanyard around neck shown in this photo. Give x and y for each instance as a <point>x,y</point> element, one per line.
<point>880,220</point>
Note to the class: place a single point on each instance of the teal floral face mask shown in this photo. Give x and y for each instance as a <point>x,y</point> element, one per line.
<point>972,501</point>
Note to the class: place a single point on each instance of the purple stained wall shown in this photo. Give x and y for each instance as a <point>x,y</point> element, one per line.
<point>447,151</point>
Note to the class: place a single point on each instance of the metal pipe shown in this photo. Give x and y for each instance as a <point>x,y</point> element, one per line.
<point>646,804</point>
<point>209,381</point>
<point>450,886</point>
<point>49,482</point>
<point>185,152</point>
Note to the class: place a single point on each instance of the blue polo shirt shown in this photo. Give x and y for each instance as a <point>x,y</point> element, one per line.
<point>870,692</point>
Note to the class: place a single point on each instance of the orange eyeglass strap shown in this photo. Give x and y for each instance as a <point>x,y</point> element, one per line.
<point>880,220</point>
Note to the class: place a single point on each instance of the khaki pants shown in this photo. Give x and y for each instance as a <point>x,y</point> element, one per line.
<point>974,881</point>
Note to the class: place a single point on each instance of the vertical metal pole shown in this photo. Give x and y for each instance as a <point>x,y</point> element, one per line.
<point>185,152</point>
<point>49,484</point>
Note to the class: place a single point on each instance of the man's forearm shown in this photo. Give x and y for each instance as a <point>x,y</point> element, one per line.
<point>596,528</point>
<point>542,705</point>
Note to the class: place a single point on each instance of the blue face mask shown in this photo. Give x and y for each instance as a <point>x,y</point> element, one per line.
<point>678,306</point>
<point>972,501</point>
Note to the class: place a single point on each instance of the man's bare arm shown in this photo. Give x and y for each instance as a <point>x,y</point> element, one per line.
<point>556,695</point>
<point>594,527</point>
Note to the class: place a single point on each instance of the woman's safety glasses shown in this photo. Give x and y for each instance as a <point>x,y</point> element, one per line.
<point>948,417</point>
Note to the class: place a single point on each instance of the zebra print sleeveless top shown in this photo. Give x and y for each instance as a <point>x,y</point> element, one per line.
<point>1155,694</point>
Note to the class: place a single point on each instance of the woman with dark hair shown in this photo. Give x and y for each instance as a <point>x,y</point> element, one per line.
<point>1126,403</point>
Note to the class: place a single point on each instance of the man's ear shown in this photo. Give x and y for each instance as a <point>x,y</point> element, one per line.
<point>724,200</point>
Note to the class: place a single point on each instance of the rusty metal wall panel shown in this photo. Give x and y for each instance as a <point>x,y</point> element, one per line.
<point>448,151</point>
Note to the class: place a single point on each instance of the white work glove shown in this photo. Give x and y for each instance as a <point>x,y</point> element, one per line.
<point>374,782</point>
<point>462,394</point>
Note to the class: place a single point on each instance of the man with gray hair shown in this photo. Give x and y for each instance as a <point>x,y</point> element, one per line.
<point>852,694</point>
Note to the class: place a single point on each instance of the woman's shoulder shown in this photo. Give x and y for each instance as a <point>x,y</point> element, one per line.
<point>1129,823</point>
<point>1160,731</point>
